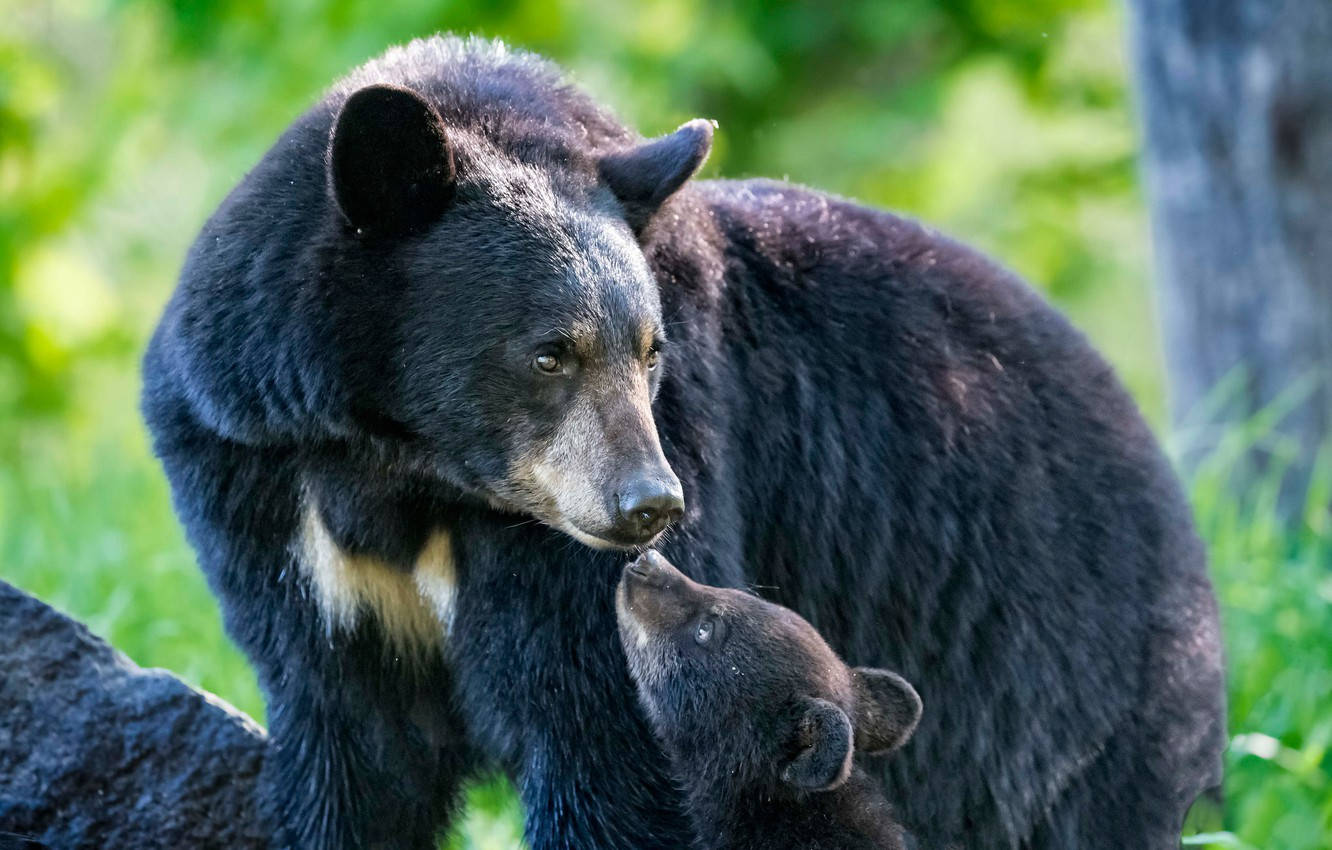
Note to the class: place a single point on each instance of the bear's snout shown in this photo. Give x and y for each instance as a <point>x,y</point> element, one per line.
<point>648,505</point>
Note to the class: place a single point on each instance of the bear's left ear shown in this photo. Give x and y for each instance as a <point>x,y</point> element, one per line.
<point>823,735</point>
<point>643,177</point>
<point>887,710</point>
<point>389,162</point>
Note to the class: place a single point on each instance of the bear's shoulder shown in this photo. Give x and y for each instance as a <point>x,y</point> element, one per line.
<point>865,259</point>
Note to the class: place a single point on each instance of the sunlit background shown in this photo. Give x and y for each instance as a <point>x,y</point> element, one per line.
<point>1006,123</point>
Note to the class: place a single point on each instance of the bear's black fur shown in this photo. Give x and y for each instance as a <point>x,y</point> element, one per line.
<point>760,719</point>
<point>897,437</point>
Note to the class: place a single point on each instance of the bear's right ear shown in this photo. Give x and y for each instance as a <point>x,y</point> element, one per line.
<point>644,176</point>
<point>887,710</point>
<point>823,736</point>
<point>390,167</point>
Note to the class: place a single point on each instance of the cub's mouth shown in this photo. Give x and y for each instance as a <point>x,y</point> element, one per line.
<point>652,599</point>
<point>653,596</point>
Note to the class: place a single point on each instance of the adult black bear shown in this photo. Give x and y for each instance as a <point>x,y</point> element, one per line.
<point>408,394</point>
<point>760,719</point>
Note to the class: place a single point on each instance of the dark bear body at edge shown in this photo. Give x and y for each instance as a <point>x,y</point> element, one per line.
<point>879,427</point>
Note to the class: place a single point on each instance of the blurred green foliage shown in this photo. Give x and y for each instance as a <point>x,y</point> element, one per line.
<point>123,122</point>
<point>1004,122</point>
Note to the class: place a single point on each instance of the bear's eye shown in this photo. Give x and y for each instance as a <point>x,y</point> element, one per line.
<point>547,363</point>
<point>703,633</point>
<point>653,358</point>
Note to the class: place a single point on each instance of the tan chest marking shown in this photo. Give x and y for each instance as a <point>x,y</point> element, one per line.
<point>414,609</point>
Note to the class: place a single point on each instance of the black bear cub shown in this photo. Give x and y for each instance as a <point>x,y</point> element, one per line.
<point>758,715</point>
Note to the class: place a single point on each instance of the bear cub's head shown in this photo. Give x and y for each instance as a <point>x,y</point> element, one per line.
<point>745,694</point>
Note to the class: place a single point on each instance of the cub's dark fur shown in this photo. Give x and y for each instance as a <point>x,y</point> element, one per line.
<point>426,375</point>
<point>759,717</point>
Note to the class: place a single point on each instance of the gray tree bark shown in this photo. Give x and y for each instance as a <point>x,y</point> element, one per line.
<point>96,752</point>
<point>1236,101</point>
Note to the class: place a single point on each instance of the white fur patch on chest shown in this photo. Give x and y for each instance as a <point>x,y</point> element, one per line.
<point>414,609</point>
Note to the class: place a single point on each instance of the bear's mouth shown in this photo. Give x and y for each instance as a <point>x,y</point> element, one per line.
<point>575,504</point>
<point>545,510</point>
<point>604,543</point>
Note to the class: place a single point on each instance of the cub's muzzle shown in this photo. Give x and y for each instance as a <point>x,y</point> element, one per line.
<point>656,595</point>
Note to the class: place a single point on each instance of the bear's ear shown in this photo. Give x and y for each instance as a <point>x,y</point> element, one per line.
<point>887,710</point>
<point>643,177</point>
<point>823,736</point>
<point>389,163</point>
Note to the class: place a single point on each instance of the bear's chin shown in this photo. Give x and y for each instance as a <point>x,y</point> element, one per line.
<point>597,542</point>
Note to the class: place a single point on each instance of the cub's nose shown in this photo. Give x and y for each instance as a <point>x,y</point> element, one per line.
<point>652,570</point>
<point>648,564</point>
<point>647,506</point>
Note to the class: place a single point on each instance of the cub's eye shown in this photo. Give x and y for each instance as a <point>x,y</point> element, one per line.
<point>547,363</point>
<point>653,358</point>
<point>703,633</point>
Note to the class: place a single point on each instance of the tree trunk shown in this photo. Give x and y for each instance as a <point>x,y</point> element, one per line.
<point>1236,97</point>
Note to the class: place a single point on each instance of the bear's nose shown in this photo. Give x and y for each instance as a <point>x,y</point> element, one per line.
<point>647,506</point>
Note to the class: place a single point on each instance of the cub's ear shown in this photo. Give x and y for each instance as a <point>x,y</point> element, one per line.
<point>887,710</point>
<point>823,735</point>
<point>644,176</point>
<point>389,162</point>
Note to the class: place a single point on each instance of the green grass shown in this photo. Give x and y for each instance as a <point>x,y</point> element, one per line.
<point>1275,589</point>
<point>87,526</point>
